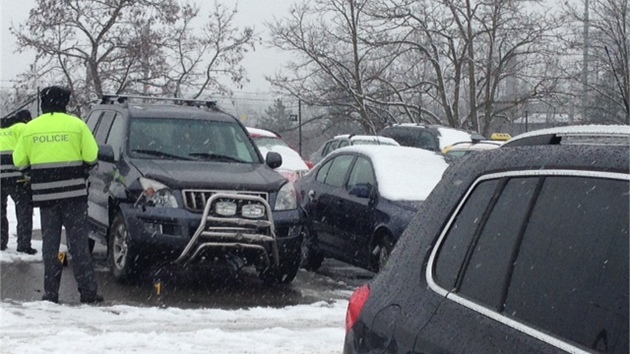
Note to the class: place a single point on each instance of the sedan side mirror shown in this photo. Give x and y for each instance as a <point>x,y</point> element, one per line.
<point>362,190</point>
<point>273,159</point>
<point>106,153</point>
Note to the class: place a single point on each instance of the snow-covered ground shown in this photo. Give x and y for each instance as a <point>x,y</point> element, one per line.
<point>43,327</point>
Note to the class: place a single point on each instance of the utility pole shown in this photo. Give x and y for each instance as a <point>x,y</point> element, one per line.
<point>300,125</point>
<point>585,63</point>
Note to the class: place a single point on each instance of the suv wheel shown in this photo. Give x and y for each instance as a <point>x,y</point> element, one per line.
<point>121,257</point>
<point>285,273</point>
<point>311,257</point>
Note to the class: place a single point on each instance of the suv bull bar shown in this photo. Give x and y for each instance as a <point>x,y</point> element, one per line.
<point>241,232</point>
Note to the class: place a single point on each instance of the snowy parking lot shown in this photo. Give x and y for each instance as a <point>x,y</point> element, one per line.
<point>32,326</point>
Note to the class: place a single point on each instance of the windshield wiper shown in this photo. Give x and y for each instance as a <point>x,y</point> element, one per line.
<point>218,157</point>
<point>161,154</point>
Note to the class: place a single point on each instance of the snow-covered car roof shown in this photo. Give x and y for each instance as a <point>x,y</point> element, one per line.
<point>450,136</point>
<point>474,146</point>
<point>402,173</point>
<point>262,132</point>
<point>577,134</point>
<point>383,140</point>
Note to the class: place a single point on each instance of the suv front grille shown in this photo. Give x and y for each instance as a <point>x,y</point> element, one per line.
<point>195,200</point>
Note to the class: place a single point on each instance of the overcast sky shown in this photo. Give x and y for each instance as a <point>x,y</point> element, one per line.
<point>264,61</point>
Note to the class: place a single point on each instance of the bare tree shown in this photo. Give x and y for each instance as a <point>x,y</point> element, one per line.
<point>131,46</point>
<point>477,54</point>
<point>607,80</point>
<point>333,66</point>
<point>201,60</point>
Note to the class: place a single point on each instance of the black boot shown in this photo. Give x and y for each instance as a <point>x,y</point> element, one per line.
<point>91,298</point>
<point>28,250</point>
<point>51,297</point>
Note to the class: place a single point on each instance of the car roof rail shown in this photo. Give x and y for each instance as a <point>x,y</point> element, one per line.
<point>574,135</point>
<point>123,99</point>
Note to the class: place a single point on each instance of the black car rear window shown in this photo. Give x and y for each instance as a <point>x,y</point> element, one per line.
<point>571,274</point>
<point>552,253</point>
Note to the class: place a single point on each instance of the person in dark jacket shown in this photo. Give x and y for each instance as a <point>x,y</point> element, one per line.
<point>58,149</point>
<point>13,184</point>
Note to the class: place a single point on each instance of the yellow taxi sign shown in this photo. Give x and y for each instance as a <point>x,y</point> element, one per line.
<point>500,136</point>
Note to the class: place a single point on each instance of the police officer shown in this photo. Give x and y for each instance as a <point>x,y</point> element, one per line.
<point>58,149</point>
<point>12,184</point>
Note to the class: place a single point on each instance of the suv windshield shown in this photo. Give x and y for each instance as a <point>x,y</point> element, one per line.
<point>190,139</point>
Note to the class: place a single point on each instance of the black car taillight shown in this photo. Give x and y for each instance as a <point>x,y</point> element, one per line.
<point>355,306</point>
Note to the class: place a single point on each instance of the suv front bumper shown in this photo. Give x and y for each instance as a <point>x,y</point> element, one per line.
<point>163,234</point>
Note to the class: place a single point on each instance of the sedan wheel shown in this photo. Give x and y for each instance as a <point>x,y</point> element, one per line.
<point>385,249</point>
<point>311,258</point>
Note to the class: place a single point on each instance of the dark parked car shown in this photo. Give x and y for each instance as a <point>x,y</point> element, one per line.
<point>185,184</point>
<point>521,249</point>
<point>343,140</point>
<point>359,200</point>
<point>428,137</point>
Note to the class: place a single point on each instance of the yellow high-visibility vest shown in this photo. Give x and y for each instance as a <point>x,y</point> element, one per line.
<point>56,147</point>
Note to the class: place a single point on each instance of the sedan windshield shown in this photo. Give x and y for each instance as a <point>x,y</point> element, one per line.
<point>190,139</point>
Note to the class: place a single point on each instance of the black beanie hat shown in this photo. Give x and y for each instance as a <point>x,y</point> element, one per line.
<point>54,99</point>
<point>23,116</point>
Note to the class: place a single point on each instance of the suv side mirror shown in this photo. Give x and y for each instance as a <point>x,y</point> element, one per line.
<point>106,153</point>
<point>273,159</point>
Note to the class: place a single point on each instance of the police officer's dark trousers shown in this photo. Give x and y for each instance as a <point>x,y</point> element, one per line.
<point>21,195</point>
<point>72,214</point>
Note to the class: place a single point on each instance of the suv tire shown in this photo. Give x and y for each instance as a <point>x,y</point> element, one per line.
<point>284,273</point>
<point>122,259</point>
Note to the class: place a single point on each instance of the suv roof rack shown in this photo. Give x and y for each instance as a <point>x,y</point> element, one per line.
<point>121,98</point>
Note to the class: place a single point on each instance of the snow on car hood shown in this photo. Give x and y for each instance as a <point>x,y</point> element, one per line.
<point>452,136</point>
<point>210,175</point>
<point>291,160</point>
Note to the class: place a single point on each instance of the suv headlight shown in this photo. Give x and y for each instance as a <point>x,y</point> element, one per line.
<point>287,198</point>
<point>157,194</point>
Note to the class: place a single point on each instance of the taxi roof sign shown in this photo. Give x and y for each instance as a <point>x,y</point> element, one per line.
<point>500,136</point>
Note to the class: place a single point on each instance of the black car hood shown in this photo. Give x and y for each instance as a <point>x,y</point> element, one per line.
<point>210,175</point>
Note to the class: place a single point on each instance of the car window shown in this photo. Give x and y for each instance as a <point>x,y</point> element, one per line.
<point>343,143</point>
<point>92,120</point>
<point>427,141</point>
<point>571,274</point>
<point>332,147</point>
<point>361,174</point>
<point>485,276</point>
<point>102,130</point>
<point>339,170</point>
<point>323,171</point>
<point>116,135</point>
<point>269,143</point>
<point>456,242</point>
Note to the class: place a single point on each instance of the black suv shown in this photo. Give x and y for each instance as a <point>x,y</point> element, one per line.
<point>182,182</point>
<point>521,249</point>
<point>429,137</point>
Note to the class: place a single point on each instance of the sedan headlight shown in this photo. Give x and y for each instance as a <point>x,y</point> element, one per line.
<point>157,194</point>
<point>287,198</point>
